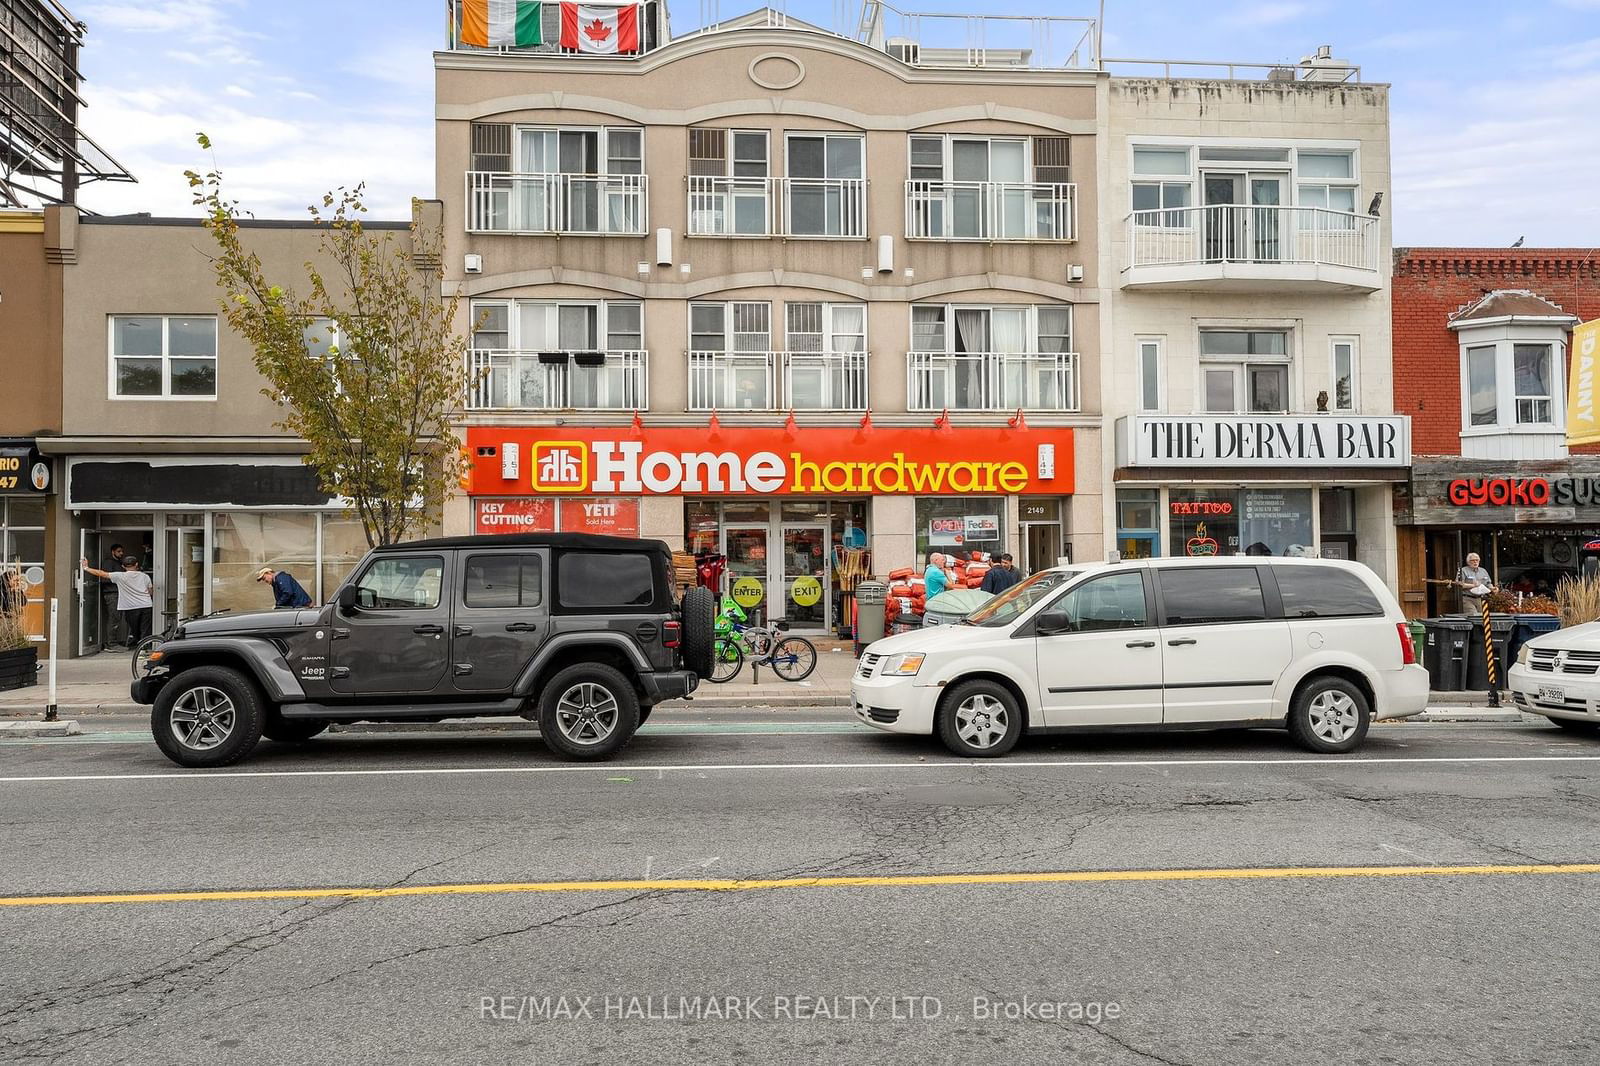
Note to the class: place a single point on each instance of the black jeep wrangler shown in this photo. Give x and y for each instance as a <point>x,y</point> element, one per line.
<point>578,632</point>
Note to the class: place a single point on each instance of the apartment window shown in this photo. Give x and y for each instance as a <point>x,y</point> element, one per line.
<point>992,357</point>
<point>1343,397</point>
<point>164,357</point>
<point>1163,186</point>
<point>1326,179</point>
<point>564,180</point>
<point>1483,398</point>
<point>1149,373</point>
<point>742,326</point>
<point>1244,371</point>
<point>981,188</point>
<point>1512,383</point>
<point>825,364</point>
<point>728,188</point>
<point>825,327</point>
<point>553,355</point>
<point>1531,370</point>
<point>730,356</point>
<point>827,187</point>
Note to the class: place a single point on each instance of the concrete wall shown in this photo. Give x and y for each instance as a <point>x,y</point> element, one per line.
<point>30,328</point>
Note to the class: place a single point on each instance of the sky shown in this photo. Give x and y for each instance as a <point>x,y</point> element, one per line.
<point>1495,107</point>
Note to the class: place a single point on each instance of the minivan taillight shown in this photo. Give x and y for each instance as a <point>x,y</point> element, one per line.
<point>1408,650</point>
<point>672,634</point>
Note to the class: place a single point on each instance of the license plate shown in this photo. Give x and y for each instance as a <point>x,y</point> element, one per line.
<point>1553,693</point>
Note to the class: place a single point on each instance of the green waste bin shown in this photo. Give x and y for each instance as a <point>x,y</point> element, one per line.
<point>1419,638</point>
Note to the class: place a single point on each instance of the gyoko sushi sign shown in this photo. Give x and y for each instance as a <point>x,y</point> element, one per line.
<point>719,461</point>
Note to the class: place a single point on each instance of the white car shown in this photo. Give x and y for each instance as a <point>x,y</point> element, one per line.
<point>1316,646</point>
<point>1558,675</point>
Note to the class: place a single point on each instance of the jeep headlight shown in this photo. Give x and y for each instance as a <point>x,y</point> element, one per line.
<point>903,665</point>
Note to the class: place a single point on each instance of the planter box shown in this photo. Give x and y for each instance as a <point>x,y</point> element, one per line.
<point>19,668</point>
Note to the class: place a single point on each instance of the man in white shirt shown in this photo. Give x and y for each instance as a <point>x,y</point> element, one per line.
<point>134,590</point>
<point>1471,577</point>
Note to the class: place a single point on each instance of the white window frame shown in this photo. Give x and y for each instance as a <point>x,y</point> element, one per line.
<point>1354,343</point>
<point>1505,337</point>
<point>1241,365</point>
<point>166,357</point>
<point>1031,346</point>
<point>602,146</point>
<point>1158,345</point>
<point>1353,182</point>
<point>947,148</point>
<point>1291,169</point>
<point>514,321</point>
<point>845,210</point>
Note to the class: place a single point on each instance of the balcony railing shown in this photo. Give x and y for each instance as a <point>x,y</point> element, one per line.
<point>992,381</point>
<point>991,211</point>
<point>777,207</point>
<point>579,204</point>
<point>1236,233</point>
<point>748,381</point>
<point>557,381</point>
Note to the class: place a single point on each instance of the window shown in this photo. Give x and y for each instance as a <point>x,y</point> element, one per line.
<point>1149,373</point>
<point>1482,396</point>
<point>1115,601</point>
<point>613,580</point>
<point>822,327</point>
<point>1161,202</point>
<point>537,326</point>
<point>728,192</point>
<point>730,356</point>
<point>1327,179</point>
<point>504,580</point>
<point>1322,592</point>
<point>827,194</point>
<point>1203,597</point>
<point>1244,371</point>
<point>164,357</point>
<point>992,357</point>
<point>321,337</point>
<point>1531,373</point>
<point>1343,396</point>
<point>404,582</point>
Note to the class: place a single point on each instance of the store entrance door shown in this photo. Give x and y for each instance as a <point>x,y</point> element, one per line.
<point>1041,546</point>
<point>89,611</point>
<point>184,576</point>
<point>746,549</point>
<point>804,573</point>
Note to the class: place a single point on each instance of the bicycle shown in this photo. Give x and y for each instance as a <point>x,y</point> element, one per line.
<point>791,658</point>
<point>142,650</point>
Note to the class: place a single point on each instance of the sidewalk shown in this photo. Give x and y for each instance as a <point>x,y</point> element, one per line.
<point>98,684</point>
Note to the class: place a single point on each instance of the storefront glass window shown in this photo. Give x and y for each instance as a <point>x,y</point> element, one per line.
<point>735,512</point>
<point>1338,511</point>
<point>1276,522</point>
<point>243,542</point>
<point>959,524</point>
<point>1138,523</point>
<point>701,525</point>
<point>22,551</point>
<point>1204,522</point>
<point>344,542</point>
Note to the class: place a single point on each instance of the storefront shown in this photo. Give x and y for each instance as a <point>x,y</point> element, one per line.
<point>202,526</point>
<point>1531,522</point>
<point>792,509</point>
<point>27,483</point>
<point>1315,486</point>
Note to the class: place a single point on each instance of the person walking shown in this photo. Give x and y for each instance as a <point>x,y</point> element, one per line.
<point>134,596</point>
<point>1474,576</point>
<point>286,591</point>
<point>934,579</point>
<point>1001,576</point>
<point>112,631</point>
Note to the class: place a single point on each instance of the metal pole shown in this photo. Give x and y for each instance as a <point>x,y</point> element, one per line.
<point>1489,657</point>
<point>50,707</point>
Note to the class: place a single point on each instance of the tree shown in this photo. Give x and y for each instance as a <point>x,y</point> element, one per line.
<point>366,366</point>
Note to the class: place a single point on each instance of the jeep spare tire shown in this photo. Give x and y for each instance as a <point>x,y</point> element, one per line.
<point>699,610</point>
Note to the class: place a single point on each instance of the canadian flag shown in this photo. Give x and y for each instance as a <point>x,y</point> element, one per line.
<point>593,28</point>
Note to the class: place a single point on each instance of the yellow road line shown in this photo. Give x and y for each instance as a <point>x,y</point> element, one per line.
<point>730,885</point>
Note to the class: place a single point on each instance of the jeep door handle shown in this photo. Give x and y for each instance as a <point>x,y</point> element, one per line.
<point>1141,643</point>
<point>1181,640</point>
<point>430,628</point>
<point>463,631</point>
<point>522,627</point>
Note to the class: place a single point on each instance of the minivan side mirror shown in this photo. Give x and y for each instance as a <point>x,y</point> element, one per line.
<point>349,599</point>
<point>1052,622</point>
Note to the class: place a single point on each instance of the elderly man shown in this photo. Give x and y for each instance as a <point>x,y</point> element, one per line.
<point>286,591</point>
<point>935,580</point>
<point>1474,576</point>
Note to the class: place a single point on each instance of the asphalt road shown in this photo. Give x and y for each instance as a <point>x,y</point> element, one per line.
<point>502,861</point>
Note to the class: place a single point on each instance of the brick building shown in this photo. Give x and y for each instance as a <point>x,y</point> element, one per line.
<point>1481,337</point>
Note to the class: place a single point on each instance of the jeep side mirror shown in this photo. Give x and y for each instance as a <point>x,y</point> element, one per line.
<point>1053,622</point>
<point>349,599</point>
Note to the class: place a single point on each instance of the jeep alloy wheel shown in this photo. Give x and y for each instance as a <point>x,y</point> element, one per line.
<point>202,718</point>
<point>586,713</point>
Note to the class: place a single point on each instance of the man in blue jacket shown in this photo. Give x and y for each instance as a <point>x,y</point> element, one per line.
<point>286,591</point>
<point>1001,576</point>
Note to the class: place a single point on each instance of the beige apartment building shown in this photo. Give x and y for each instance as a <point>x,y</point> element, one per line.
<point>776,292</point>
<point>1247,340</point>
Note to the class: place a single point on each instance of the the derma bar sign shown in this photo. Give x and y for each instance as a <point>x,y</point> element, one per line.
<point>1264,440</point>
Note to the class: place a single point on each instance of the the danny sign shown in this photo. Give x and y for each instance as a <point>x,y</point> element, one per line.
<point>1264,440</point>
<point>724,461</point>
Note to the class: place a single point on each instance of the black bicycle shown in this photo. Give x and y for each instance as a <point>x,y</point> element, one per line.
<point>142,650</point>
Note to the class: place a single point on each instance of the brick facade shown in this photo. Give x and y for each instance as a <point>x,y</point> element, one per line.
<point>1431,284</point>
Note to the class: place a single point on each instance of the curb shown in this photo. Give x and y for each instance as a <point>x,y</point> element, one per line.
<point>1473,714</point>
<point>64,728</point>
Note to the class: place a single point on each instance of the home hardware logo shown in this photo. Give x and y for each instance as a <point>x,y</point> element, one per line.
<point>560,466</point>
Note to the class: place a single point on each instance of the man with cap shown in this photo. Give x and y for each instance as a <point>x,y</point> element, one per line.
<point>286,591</point>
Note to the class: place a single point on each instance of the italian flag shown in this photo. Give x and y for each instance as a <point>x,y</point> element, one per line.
<point>593,28</point>
<point>497,23</point>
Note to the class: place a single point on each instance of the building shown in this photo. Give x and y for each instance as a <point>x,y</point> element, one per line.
<point>165,442</point>
<point>775,291</point>
<point>1482,339</point>
<point>1248,338</point>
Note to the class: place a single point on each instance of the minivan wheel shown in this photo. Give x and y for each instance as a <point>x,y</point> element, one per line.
<point>979,720</point>
<point>1330,716</point>
<point>292,730</point>
<point>206,717</point>
<point>588,711</point>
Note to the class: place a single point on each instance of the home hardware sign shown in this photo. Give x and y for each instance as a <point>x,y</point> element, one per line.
<point>1265,440</point>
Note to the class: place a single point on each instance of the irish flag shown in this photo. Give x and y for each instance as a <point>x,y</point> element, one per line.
<point>594,28</point>
<point>497,23</point>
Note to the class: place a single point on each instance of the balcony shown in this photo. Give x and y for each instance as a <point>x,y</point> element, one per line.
<point>1223,247</point>
<point>778,207</point>
<point>593,205</point>
<point>991,211</point>
<point>992,381</point>
<point>748,381</point>
<point>557,381</point>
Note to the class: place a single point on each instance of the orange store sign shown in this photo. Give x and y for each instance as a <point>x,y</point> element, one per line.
<point>707,461</point>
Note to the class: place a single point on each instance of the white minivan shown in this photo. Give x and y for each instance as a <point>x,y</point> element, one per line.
<point>1316,646</point>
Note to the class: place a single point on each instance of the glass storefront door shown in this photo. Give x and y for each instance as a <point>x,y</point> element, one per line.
<point>803,571</point>
<point>746,549</point>
<point>183,576</point>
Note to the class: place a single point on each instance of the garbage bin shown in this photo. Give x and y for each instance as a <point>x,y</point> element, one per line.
<point>1419,638</point>
<point>1446,653</point>
<point>1500,629</point>
<point>1529,626</point>
<point>871,596</point>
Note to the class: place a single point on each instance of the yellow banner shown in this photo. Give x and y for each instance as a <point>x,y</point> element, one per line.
<point>1583,422</point>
